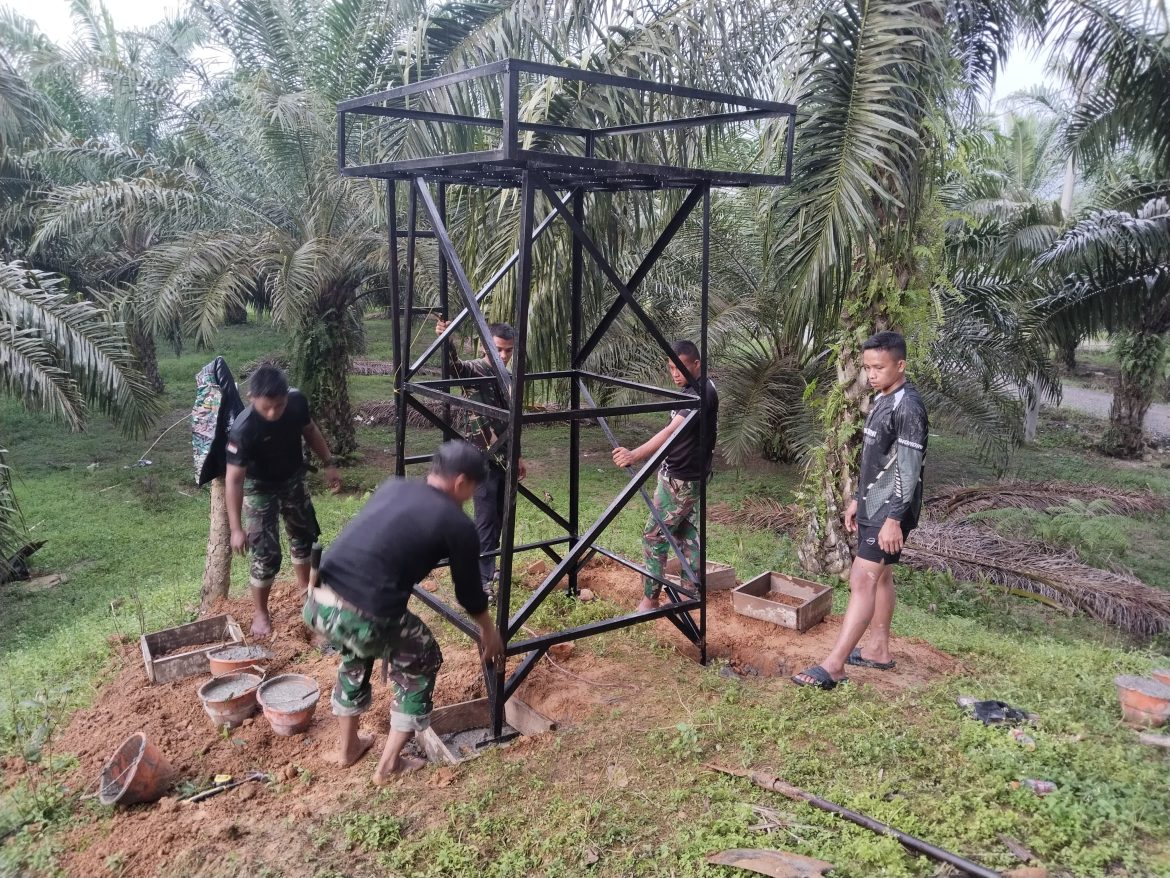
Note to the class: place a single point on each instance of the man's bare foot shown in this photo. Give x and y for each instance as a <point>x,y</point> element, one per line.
<point>261,625</point>
<point>648,604</point>
<point>402,765</point>
<point>347,756</point>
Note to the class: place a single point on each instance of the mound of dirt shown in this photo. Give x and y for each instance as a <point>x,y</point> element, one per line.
<point>269,823</point>
<point>757,648</point>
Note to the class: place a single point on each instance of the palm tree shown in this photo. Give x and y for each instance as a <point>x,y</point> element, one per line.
<point>65,357</point>
<point>259,201</point>
<point>101,104</point>
<point>1113,271</point>
<point>1108,270</point>
<point>862,224</point>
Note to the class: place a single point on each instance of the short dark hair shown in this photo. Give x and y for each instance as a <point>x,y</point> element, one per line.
<point>502,330</point>
<point>269,381</point>
<point>887,340</point>
<point>686,348</point>
<point>458,458</point>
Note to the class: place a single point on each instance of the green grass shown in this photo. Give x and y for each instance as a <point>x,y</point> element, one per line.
<point>625,793</point>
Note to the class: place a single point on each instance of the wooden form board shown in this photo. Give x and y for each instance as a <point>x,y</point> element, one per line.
<point>164,664</point>
<point>755,599</point>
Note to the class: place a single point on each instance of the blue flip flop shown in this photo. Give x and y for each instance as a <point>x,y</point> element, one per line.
<point>855,658</point>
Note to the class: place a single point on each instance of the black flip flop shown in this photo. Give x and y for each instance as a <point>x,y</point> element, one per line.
<point>855,658</point>
<point>824,680</point>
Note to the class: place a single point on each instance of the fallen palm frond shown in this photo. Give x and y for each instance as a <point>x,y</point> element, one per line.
<point>1040,496</point>
<point>280,361</point>
<point>371,367</point>
<point>760,513</point>
<point>385,414</point>
<point>974,553</point>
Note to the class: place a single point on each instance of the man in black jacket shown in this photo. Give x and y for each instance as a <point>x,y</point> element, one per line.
<point>883,512</point>
<point>365,581</point>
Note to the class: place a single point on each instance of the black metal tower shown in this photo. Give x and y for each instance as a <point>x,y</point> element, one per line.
<point>545,168</point>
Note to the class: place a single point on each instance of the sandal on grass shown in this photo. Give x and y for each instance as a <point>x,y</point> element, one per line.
<point>822,678</point>
<point>855,658</point>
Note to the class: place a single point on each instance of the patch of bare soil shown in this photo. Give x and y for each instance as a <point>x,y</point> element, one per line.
<point>271,824</point>
<point>258,822</point>
<point>759,648</point>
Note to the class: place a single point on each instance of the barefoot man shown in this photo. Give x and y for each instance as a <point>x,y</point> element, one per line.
<point>365,582</point>
<point>883,512</point>
<point>266,482</point>
<point>687,463</point>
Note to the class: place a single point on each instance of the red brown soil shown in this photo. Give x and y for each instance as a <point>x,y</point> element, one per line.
<point>760,648</point>
<point>270,824</point>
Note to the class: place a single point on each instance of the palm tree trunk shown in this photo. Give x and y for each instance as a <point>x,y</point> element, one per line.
<point>235,314</point>
<point>1142,356</point>
<point>146,355</point>
<point>1031,412</point>
<point>217,568</point>
<point>830,482</point>
<point>322,366</point>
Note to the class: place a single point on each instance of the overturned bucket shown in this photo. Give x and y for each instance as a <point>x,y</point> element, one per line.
<point>289,701</point>
<point>229,699</point>
<point>137,772</point>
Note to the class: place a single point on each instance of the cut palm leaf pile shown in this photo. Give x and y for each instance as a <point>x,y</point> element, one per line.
<point>975,553</point>
<point>371,367</point>
<point>760,513</point>
<point>383,414</point>
<point>1040,496</point>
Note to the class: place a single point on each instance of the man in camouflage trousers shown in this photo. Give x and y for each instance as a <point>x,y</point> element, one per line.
<point>365,581</point>
<point>483,433</point>
<point>686,465</point>
<point>266,482</point>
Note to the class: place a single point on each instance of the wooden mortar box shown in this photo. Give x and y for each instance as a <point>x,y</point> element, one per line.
<point>163,653</point>
<point>720,577</point>
<point>783,600</point>
<point>476,714</point>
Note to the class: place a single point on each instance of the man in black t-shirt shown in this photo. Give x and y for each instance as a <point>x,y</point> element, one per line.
<point>365,581</point>
<point>266,482</point>
<point>483,433</point>
<point>687,464</point>
<point>883,512</point>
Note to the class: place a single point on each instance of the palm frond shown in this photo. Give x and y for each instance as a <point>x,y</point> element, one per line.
<point>62,356</point>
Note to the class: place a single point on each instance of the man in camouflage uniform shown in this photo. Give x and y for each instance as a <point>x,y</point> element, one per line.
<point>365,581</point>
<point>482,433</point>
<point>266,482</point>
<point>686,465</point>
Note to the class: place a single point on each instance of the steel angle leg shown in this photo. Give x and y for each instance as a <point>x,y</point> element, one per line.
<point>498,690</point>
<point>400,357</point>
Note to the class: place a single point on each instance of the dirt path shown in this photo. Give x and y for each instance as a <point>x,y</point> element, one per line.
<point>1097,403</point>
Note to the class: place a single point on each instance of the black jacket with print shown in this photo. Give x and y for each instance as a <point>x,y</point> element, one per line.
<point>890,483</point>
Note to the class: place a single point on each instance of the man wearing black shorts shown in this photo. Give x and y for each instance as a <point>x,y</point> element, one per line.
<point>883,511</point>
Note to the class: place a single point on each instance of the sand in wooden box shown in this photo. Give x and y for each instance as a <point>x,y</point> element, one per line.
<point>179,652</point>
<point>783,600</point>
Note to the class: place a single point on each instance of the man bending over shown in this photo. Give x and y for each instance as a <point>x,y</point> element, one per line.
<point>364,584</point>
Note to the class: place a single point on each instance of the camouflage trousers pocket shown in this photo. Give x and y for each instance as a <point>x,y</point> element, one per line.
<point>404,642</point>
